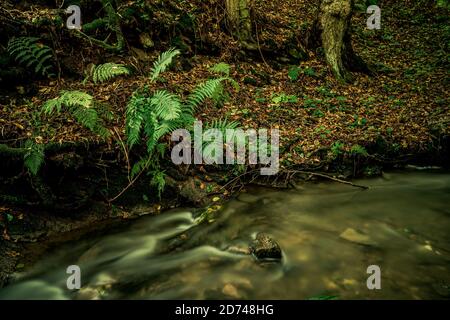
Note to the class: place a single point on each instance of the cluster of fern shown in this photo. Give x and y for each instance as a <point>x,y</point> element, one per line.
<point>155,114</point>
<point>32,54</point>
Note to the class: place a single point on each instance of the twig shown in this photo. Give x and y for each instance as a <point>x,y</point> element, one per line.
<point>259,46</point>
<point>125,151</point>
<point>131,182</point>
<point>322,175</point>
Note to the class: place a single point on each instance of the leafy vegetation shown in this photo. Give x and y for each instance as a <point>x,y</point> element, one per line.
<point>32,54</point>
<point>107,71</point>
<point>81,106</point>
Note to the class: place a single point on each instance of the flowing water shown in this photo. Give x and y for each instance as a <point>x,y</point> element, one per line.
<point>329,233</point>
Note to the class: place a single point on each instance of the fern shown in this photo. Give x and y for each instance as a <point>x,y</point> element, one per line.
<point>158,114</point>
<point>34,157</point>
<point>202,92</point>
<point>107,71</point>
<point>159,181</point>
<point>82,107</point>
<point>29,53</point>
<point>167,106</point>
<point>135,117</point>
<point>222,125</point>
<point>163,62</point>
<point>221,68</point>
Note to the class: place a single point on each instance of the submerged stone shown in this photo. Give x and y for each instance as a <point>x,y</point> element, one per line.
<point>264,247</point>
<point>358,237</point>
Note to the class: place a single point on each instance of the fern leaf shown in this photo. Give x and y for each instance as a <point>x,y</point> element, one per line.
<point>159,181</point>
<point>166,106</point>
<point>26,51</point>
<point>134,118</point>
<point>81,106</point>
<point>202,92</point>
<point>139,167</point>
<point>222,125</point>
<point>163,62</point>
<point>86,116</point>
<point>50,106</point>
<point>221,68</point>
<point>107,71</point>
<point>34,157</point>
<point>76,98</point>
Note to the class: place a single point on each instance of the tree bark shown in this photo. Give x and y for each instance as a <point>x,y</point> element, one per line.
<point>239,20</point>
<point>331,30</point>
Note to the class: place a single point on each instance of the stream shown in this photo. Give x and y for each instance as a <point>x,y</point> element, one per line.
<point>329,233</point>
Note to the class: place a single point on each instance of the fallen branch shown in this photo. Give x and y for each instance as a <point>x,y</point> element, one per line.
<point>322,175</point>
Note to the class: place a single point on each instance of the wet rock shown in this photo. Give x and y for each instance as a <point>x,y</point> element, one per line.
<point>146,40</point>
<point>231,291</point>
<point>264,247</point>
<point>88,294</point>
<point>358,237</point>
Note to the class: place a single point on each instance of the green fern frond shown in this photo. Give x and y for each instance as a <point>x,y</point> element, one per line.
<point>158,181</point>
<point>87,117</point>
<point>166,105</point>
<point>50,105</point>
<point>82,106</point>
<point>202,92</point>
<point>165,127</point>
<point>28,52</point>
<point>134,118</point>
<point>34,157</point>
<point>163,62</point>
<point>107,71</point>
<point>139,167</point>
<point>150,126</point>
<point>221,68</point>
<point>222,125</point>
<point>77,98</point>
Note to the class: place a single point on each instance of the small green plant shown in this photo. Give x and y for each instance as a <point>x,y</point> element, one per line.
<point>221,68</point>
<point>294,73</point>
<point>310,72</point>
<point>280,98</point>
<point>81,106</point>
<point>337,149</point>
<point>221,95</point>
<point>358,122</point>
<point>32,54</point>
<point>325,91</point>
<point>358,150</point>
<point>158,181</point>
<point>34,156</point>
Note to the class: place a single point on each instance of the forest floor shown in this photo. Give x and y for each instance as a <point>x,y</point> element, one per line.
<point>401,114</point>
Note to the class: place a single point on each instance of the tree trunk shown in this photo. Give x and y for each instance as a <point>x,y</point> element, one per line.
<point>331,30</point>
<point>239,20</point>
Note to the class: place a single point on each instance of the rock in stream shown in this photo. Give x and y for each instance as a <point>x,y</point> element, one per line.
<point>264,248</point>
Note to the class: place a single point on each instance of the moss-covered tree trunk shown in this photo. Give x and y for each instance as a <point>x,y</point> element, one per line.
<point>331,30</point>
<point>239,20</point>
